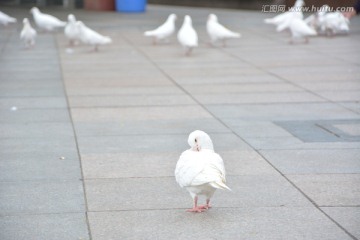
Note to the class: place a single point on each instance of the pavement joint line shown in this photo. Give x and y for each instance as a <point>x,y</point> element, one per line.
<point>57,44</point>
<point>20,214</point>
<point>273,166</point>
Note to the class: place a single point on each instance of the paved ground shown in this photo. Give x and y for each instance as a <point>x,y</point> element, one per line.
<point>90,151</point>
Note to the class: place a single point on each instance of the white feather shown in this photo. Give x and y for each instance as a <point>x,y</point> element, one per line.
<point>90,37</point>
<point>187,35</point>
<point>200,172</point>
<point>6,19</point>
<point>72,30</point>
<point>216,31</point>
<point>299,29</point>
<point>165,30</point>
<point>46,21</point>
<point>28,34</point>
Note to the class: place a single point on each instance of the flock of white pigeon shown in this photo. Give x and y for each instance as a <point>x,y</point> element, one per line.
<point>322,22</point>
<point>75,31</point>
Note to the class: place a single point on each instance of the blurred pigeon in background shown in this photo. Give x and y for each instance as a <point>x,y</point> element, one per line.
<point>90,37</point>
<point>164,31</point>
<point>284,17</point>
<point>45,21</point>
<point>72,30</point>
<point>335,23</point>
<point>187,35</point>
<point>316,20</point>
<point>6,19</point>
<point>216,31</point>
<point>299,29</point>
<point>200,170</point>
<point>28,34</point>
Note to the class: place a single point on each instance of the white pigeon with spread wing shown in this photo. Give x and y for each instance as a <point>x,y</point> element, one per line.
<point>299,29</point>
<point>90,37</point>
<point>187,35</point>
<point>200,170</point>
<point>217,32</point>
<point>164,31</point>
<point>6,19</point>
<point>72,30</point>
<point>45,21</point>
<point>28,34</point>
<point>284,17</point>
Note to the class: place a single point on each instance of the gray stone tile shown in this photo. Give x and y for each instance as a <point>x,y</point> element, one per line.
<point>31,168</point>
<point>119,194</point>
<point>36,130</point>
<point>38,149</point>
<point>348,217</point>
<point>138,100</point>
<point>294,111</point>
<point>352,129</point>
<point>44,226</point>
<point>334,86</point>
<point>254,223</point>
<point>128,165</point>
<point>343,96</point>
<point>34,115</point>
<point>330,189</point>
<point>138,113</point>
<point>314,161</point>
<point>41,197</point>
<point>33,102</point>
<point>254,98</point>
<point>99,91</point>
<point>178,126</point>
<point>154,143</point>
<point>240,88</point>
<point>255,129</point>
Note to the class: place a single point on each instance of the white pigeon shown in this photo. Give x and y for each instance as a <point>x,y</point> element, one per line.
<point>187,35</point>
<point>216,31</point>
<point>72,31</point>
<point>200,170</point>
<point>6,19</point>
<point>45,21</point>
<point>164,31</point>
<point>90,37</point>
<point>28,34</point>
<point>316,20</point>
<point>335,23</point>
<point>284,17</point>
<point>290,17</point>
<point>299,29</point>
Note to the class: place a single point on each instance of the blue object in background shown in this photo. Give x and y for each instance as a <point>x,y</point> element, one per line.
<point>130,5</point>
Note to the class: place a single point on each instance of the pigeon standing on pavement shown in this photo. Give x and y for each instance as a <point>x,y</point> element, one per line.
<point>217,31</point>
<point>6,19</point>
<point>72,31</point>
<point>45,21</point>
<point>200,170</point>
<point>316,20</point>
<point>164,31</point>
<point>90,37</point>
<point>299,29</point>
<point>28,34</point>
<point>187,35</point>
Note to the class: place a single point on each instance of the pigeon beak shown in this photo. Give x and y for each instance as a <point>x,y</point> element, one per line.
<point>196,148</point>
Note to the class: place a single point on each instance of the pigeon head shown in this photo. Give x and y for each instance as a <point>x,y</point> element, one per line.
<point>172,17</point>
<point>212,17</point>
<point>34,10</point>
<point>299,3</point>
<point>71,18</point>
<point>25,21</point>
<point>200,140</point>
<point>187,20</point>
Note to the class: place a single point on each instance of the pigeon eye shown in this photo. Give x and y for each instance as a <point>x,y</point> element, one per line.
<point>195,140</point>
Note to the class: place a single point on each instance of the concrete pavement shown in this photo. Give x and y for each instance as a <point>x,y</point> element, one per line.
<point>91,149</point>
